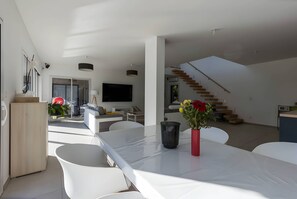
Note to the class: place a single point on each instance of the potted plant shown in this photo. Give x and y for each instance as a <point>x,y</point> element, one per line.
<point>56,110</point>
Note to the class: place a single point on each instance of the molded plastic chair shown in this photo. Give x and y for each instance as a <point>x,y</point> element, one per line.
<point>213,134</point>
<point>285,151</point>
<point>124,125</point>
<point>124,195</point>
<point>86,172</point>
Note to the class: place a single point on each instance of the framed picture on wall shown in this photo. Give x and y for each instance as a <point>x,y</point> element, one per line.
<point>174,93</point>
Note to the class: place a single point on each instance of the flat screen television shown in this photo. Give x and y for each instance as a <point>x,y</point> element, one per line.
<point>116,92</point>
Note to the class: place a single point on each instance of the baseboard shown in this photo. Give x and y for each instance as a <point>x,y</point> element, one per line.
<point>5,186</point>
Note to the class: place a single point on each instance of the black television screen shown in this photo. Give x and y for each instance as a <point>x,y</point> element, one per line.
<point>116,92</point>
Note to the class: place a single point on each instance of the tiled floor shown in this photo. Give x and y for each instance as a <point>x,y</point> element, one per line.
<point>49,184</point>
<point>248,136</point>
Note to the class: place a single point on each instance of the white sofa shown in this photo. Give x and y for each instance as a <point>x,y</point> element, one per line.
<point>92,119</point>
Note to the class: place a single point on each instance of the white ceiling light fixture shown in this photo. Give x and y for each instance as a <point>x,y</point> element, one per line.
<point>85,67</point>
<point>131,72</point>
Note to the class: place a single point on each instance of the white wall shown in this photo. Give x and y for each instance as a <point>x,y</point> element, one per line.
<point>15,41</point>
<point>256,90</point>
<point>97,77</point>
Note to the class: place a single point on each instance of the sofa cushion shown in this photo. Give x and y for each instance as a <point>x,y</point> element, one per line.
<point>99,109</point>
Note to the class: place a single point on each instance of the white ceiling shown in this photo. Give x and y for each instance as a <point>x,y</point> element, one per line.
<point>112,33</point>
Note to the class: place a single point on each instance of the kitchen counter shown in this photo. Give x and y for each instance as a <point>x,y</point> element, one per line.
<point>291,114</point>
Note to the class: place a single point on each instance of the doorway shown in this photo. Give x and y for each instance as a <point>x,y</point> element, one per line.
<point>75,92</point>
<point>1,188</point>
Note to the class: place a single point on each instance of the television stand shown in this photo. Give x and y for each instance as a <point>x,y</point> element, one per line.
<point>121,110</point>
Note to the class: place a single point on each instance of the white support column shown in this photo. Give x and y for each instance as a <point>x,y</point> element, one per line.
<point>154,80</point>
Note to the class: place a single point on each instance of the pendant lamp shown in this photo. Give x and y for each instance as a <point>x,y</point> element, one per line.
<point>85,67</point>
<point>132,73</point>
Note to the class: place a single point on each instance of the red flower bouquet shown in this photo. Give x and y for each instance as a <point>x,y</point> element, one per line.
<point>196,113</point>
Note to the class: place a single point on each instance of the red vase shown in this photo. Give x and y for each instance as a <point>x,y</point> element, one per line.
<point>195,142</point>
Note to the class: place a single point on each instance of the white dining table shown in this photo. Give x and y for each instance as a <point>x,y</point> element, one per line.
<point>221,171</point>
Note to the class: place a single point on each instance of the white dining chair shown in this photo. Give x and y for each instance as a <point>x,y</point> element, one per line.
<point>124,125</point>
<point>86,172</point>
<point>212,133</point>
<point>285,151</point>
<point>123,195</point>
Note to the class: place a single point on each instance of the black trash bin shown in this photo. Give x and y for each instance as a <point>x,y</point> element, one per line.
<point>170,134</point>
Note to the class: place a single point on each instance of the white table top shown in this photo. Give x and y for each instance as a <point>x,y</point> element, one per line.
<point>220,172</point>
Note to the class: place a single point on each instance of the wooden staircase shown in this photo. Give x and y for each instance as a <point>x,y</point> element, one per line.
<point>209,98</point>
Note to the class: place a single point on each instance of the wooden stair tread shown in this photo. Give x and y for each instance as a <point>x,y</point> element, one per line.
<point>231,116</point>
<point>207,95</point>
<point>220,107</point>
<point>195,86</point>
<point>193,83</point>
<point>203,92</point>
<point>224,111</point>
<point>199,88</point>
<point>182,74</point>
<point>214,102</point>
<point>211,100</point>
<point>236,121</point>
<point>177,71</point>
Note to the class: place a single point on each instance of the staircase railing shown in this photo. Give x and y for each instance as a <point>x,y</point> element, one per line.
<point>209,78</point>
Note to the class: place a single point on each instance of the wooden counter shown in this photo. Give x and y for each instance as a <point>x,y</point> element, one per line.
<point>28,148</point>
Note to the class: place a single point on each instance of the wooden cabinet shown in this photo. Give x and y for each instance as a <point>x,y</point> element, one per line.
<point>28,146</point>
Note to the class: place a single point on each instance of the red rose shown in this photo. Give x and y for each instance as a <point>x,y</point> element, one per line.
<point>200,106</point>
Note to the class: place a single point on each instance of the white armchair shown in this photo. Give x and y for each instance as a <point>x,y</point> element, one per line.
<point>124,125</point>
<point>285,151</point>
<point>213,134</point>
<point>86,172</point>
<point>124,195</point>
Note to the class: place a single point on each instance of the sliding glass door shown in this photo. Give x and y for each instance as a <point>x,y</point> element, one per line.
<point>75,93</point>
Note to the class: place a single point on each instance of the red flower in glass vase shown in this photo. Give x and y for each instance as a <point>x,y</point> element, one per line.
<point>200,106</point>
